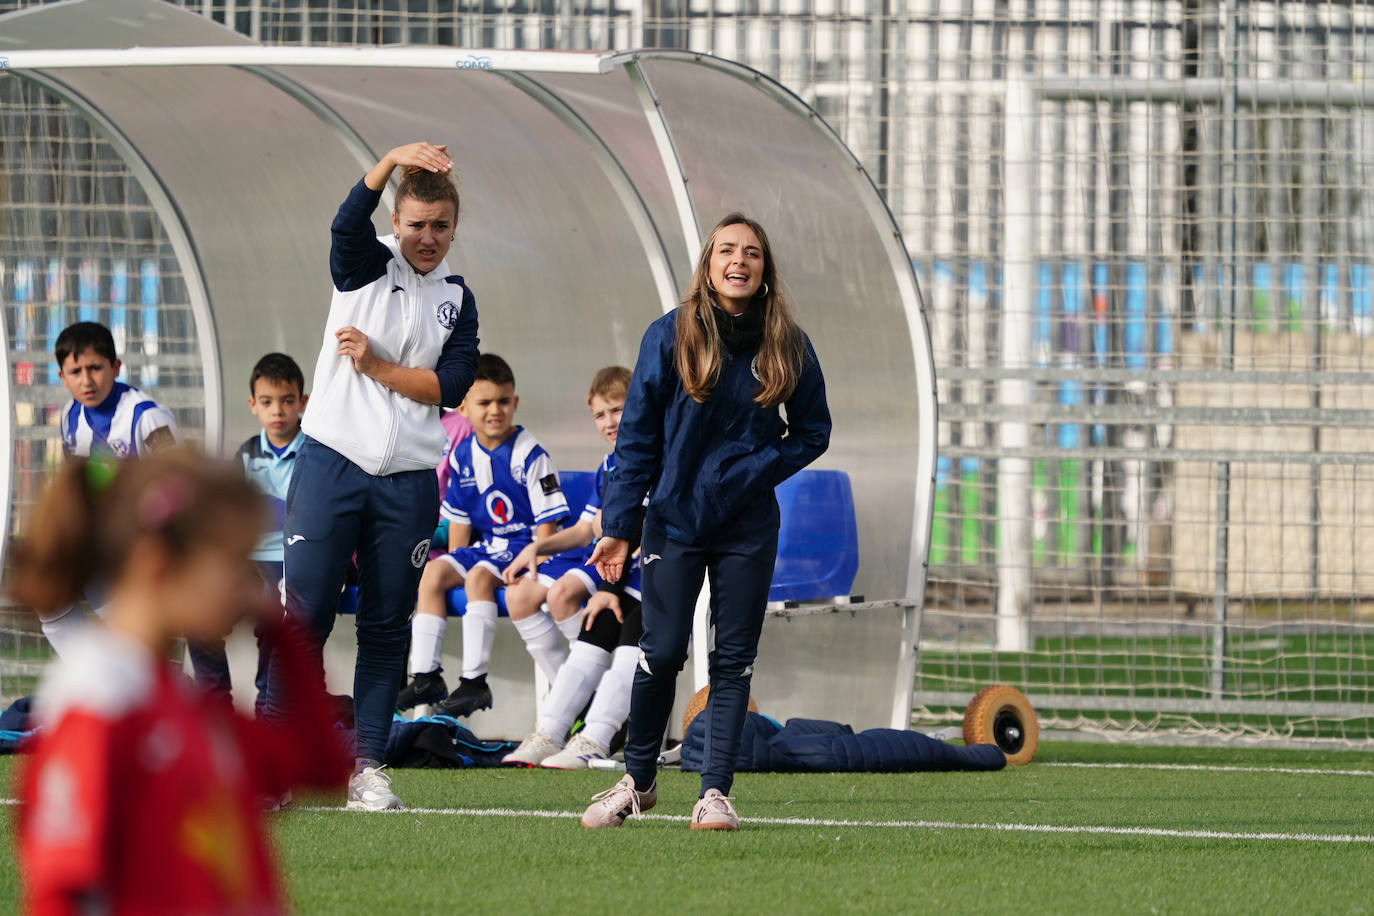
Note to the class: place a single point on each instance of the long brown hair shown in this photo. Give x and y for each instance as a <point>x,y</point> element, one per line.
<point>698,350</point>
<point>95,510</point>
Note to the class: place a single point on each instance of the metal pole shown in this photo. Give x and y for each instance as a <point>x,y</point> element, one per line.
<point>884,80</point>
<point>7,428</point>
<point>1014,551</point>
<point>1228,345</point>
<point>1312,186</point>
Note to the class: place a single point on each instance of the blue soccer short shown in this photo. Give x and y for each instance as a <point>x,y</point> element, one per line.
<point>494,558</point>
<point>571,561</point>
<point>575,562</point>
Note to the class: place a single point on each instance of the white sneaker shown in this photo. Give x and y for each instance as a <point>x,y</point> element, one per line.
<point>370,790</point>
<point>533,751</point>
<point>610,808</point>
<point>714,811</point>
<point>578,755</point>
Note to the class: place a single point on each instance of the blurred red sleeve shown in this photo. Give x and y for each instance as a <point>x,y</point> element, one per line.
<point>305,749</point>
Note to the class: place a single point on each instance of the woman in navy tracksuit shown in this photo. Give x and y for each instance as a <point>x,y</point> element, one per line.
<point>702,434</point>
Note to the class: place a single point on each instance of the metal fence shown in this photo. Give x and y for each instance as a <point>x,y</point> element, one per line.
<point>79,241</point>
<point>1143,233</point>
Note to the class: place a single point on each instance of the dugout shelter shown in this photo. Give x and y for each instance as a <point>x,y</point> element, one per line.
<point>588,180</point>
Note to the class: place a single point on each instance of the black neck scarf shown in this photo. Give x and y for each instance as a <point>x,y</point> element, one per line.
<point>740,333</point>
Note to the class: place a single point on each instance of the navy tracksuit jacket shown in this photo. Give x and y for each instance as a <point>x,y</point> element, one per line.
<point>710,470</point>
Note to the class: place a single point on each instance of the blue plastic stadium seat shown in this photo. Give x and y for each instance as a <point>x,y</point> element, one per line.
<point>458,603</point>
<point>577,487</point>
<point>818,539</point>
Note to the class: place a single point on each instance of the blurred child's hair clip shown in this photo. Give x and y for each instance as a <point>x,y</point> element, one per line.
<point>100,473</point>
<point>162,501</point>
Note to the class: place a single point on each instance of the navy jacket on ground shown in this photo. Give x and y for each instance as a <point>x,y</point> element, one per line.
<point>818,746</point>
<point>706,464</point>
<point>14,725</point>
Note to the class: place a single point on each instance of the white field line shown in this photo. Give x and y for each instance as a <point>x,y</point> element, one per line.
<point>906,825</point>
<point>1203,768</point>
<point>911,825</point>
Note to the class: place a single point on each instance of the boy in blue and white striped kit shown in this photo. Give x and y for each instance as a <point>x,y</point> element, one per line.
<point>105,417</point>
<point>277,399</point>
<point>502,487</point>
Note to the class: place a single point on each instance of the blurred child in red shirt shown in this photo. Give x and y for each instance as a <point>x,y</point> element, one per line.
<point>142,794</point>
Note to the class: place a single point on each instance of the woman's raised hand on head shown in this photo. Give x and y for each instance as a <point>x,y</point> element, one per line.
<point>422,154</point>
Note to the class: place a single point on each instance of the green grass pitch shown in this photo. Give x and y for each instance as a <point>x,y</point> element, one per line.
<point>1272,846</point>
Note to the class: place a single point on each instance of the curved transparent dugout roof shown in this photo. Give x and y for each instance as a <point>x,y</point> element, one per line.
<point>588,181</point>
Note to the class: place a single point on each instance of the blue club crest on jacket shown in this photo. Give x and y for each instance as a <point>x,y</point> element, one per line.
<point>447,314</point>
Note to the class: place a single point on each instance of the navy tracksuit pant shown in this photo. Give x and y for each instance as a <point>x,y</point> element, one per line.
<point>209,662</point>
<point>334,509</point>
<point>739,564</point>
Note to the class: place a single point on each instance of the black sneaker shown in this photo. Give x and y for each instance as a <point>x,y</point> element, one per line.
<point>423,688</point>
<point>472,694</point>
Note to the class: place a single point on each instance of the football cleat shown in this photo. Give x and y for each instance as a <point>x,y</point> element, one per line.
<point>471,695</point>
<point>423,688</point>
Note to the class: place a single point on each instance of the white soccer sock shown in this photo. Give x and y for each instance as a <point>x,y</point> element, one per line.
<point>544,643</point>
<point>611,704</point>
<point>60,629</point>
<point>573,687</point>
<point>479,628</point>
<point>570,628</point>
<point>426,642</point>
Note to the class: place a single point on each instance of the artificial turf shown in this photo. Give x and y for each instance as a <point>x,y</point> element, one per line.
<point>414,862</point>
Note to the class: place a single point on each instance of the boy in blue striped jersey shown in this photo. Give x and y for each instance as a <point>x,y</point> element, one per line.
<point>105,418</point>
<point>503,488</point>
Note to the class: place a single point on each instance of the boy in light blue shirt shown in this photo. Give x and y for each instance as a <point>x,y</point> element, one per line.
<point>268,460</point>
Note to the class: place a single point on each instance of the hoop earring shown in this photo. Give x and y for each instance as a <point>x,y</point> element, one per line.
<point>762,294</point>
<point>709,286</point>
